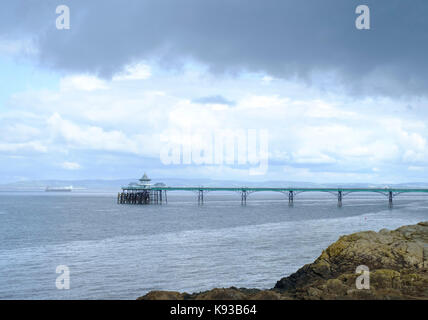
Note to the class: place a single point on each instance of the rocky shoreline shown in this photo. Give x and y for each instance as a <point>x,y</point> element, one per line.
<point>397,261</point>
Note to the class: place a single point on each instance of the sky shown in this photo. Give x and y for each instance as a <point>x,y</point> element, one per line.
<point>303,94</point>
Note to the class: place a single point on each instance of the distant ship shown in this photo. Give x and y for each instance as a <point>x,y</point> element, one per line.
<point>59,189</point>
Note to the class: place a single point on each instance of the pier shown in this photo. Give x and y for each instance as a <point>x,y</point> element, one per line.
<point>145,193</point>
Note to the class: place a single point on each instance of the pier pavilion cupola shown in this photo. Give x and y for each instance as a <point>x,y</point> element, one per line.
<point>145,181</point>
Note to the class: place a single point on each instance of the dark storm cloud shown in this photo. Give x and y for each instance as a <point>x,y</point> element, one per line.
<point>217,99</point>
<point>285,38</point>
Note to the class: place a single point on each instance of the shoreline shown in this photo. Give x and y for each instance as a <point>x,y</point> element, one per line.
<point>397,263</point>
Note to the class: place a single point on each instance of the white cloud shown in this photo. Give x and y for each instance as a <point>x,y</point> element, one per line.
<point>19,132</point>
<point>36,146</point>
<point>262,102</point>
<point>70,165</point>
<point>86,137</point>
<point>305,131</point>
<point>138,71</point>
<point>416,168</point>
<point>82,82</point>
<point>267,79</point>
<point>15,47</point>
<point>309,156</point>
<point>305,174</point>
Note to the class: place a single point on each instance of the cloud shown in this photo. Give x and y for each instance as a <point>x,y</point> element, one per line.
<point>14,47</point>
<point>89,137</point>
<point>418,169</point>
<point>320,136</point>
<point>82,82</point>
<point>311,40</point>
<point>317,130</point>
<point>267,79</point>
<point>70,165</point>
<point>136,71</point>
<point>306,174</point>
<point>31,146</point>
<point>217,99</point>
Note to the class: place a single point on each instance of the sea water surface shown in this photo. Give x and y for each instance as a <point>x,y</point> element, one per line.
<point>123,251</point>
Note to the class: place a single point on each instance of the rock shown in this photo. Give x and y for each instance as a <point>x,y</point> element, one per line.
<point>404,248</point>
<point>163,295</point>
<point>231,293</point>
<point>397,260</point>
<point>267,295</point>
<point>222,294</point>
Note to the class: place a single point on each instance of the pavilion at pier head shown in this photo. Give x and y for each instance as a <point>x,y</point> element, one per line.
<point>142,192</point>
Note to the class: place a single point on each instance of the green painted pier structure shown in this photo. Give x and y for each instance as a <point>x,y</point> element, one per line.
<point>146,193</point>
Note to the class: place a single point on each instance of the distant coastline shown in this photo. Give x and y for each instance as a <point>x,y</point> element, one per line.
<point>113,184</point>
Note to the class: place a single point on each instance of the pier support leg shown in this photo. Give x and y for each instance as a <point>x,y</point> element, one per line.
<point>200,196</point>
<point>166,198</point>
<point>290,198</point>
<point>390,198</point>
<point>243,197</point>
<point>339,199</point>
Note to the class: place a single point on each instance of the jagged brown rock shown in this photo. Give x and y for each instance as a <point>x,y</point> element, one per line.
<point>163,295</point>
<point>398,263</point>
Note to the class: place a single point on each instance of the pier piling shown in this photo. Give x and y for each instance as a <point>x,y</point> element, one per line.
<point>243,197</point>
<point>291,197</point>
<point>200,196</point>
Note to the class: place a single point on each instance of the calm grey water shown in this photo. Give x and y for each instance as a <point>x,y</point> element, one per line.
<point>123,251</point>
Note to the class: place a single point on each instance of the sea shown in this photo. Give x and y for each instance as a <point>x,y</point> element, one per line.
<point>114,251</point>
